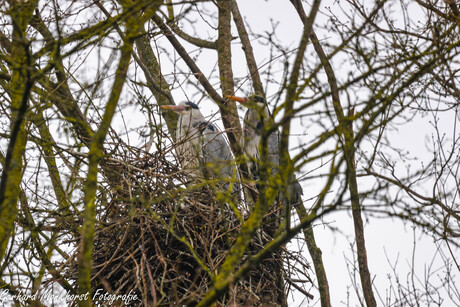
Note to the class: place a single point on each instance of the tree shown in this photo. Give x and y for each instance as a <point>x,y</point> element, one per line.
<point>93,199</point>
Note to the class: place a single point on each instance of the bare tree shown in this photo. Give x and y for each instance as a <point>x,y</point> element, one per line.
<point>94,201</point>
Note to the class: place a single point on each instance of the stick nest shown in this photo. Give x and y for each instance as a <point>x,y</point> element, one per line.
<point>160,237</point>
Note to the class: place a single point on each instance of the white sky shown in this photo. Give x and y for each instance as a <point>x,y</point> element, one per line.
<point>389,242</point>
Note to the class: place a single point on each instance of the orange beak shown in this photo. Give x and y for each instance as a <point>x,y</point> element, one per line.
<point>241,100</point>
<point>174,108</point>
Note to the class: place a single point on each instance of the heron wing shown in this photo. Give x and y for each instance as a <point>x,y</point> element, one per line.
<point>216,152</point>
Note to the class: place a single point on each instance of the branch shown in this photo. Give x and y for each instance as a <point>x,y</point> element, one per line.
<point>223,283</point>
<point>152,72</point>
<point>313,249</point>
<point>61,96</point>
<point>21,86</point>
<point>232,128</point>
<point>44,256</point>
<point>46,143</point>
<point>347,132</point>
<point>229,112</point>
<point>248,51</point>
<point>5,76</point>
<point>133,25</point>
<point>188,38</point>
<point>430,200</point>
<point>101,29</point>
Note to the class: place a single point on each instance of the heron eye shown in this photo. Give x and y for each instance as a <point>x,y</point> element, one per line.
<point>192,105</point>
<point>187,108</point>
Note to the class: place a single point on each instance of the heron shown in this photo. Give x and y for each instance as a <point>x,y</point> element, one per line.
<point>255,119</point>
<point>200,145</point>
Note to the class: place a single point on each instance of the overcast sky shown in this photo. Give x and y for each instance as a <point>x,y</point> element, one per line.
<point>390,243</point>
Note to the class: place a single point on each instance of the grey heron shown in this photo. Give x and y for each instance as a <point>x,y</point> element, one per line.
<point>255,119</point>
<point>200,145</point>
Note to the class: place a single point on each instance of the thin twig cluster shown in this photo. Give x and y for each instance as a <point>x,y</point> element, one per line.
<point>163,238</point>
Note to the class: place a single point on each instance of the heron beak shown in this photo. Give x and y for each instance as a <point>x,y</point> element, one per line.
<point>241,100</point>
<point>177,109</point>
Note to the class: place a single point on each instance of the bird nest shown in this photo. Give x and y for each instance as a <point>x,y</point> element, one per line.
<point>161,238</point>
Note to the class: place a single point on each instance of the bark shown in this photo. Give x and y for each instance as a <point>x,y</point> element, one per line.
<point>347,132</point>
<point>317,258</point>
<point>94,156</point>
<point>146,59</point>
<point>21,86</point>
<point>155,81</point>
<point>228,112</point>
<point>357,219</point>
<point>270,229</point>
<point>248,51</point>
<point>46,144</point>
<point>96,150</point>
<point>314,250</point>
<point>223,282</point>
<point>191,39</point>
<point>224,50</point>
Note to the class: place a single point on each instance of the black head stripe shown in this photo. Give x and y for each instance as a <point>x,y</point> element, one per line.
<point>191,104</point>
<point>204,125</point>
<point>258,98</point>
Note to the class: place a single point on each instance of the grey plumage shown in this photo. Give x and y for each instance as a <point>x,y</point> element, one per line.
<point>200,146</point>
<point>255,118</point>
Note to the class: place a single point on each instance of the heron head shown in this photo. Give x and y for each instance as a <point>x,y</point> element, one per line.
<point>251,102</point>
<point>256,104</point>
<point>186,109</point>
